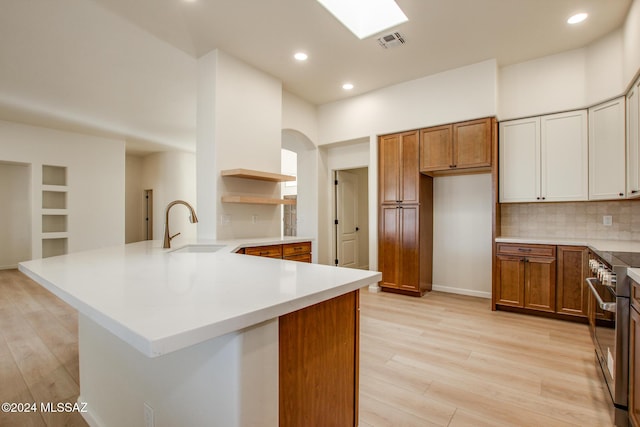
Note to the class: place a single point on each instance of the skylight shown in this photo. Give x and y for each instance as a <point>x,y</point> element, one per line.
<point>365,18</point>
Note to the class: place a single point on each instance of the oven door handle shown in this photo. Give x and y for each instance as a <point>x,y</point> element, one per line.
<point>606,306</point>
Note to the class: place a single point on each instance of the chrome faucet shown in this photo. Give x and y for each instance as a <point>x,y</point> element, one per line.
<point>192,219</point>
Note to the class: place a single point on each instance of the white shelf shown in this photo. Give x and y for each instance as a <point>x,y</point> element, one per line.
<point>55,188</point>
<point>55,235</point>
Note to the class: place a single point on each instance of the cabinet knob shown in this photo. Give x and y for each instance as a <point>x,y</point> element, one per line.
<point>634,191</point>
<point>621,194</point>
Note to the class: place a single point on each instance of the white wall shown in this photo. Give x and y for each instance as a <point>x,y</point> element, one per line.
<point>239,126</point>
<point>455,95</point>
<point>95,181</point>
<point>72,64</point>
<point>15,226</point>
<point>631,43</point>
<point>134,203</point>
<point>299,115</point>
<point>549,84</point>
<point>462,234</point>
<point>172,176</point>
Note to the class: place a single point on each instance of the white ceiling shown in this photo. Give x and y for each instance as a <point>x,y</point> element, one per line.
<point>440,34</point>
<point>128,68</point>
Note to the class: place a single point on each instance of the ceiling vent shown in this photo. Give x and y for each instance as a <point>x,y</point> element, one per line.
<point>394,39</point>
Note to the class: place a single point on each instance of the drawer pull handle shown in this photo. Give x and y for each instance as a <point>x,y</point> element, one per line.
<point>524,249</point>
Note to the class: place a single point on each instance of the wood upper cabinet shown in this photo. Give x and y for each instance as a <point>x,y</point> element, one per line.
<point>607,175</point>
<point>436,148</point>
<point>526,276</point>
<point>458,146</point>
<point>398,168</point>
<point>571,292</point>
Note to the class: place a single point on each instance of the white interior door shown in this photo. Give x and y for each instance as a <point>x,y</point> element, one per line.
<point>347,216</point>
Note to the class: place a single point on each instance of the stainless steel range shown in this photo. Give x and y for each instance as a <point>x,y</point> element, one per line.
<point>608,313</point>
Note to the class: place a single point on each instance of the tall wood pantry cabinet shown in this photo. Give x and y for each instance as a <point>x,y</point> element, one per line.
<point>405,217</point>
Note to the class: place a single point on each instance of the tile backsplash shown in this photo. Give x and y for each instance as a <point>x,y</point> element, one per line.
<point>572,220</point>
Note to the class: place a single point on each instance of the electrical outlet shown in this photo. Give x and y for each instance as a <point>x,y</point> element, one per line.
<point>254,219</point>
<point>148,416</point>
<point>607,220</point>
<point>225,219</point>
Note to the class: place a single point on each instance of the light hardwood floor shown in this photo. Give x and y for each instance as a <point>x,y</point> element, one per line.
<point>38,352</point>
<point>440,360</point>
<point>448,360</point>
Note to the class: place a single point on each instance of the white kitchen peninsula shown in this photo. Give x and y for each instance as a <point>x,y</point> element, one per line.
<point>207,338</point>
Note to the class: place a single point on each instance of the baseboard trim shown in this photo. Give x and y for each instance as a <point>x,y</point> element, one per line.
<point>8,267</point>
<point>460,291</point>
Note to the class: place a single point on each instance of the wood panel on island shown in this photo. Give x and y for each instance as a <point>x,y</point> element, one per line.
<point>258,176</point>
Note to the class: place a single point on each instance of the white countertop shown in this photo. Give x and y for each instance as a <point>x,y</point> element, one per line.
<point>597,244</point>
<point>159,301</point>
<point>634,274</point>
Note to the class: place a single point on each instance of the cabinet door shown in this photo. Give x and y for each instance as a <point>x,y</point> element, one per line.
<point>633,141</point>
<point>388,246</point>
<point>389,168</point>
<point>409,248</point>
<point>540,281</point>
<point>472,144</point>
<point>634,368</point>
<point>398,168</point>
<point>571,291</point>
<point>519,160</point>
<point>607,151</point>
<point>436,148</point>
<point>510,274</point>
<point>564,157</point>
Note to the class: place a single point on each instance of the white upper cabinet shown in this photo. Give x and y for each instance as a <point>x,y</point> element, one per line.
<point>633,141</point>
<point>607,175</point>
<point>544,158</point>
<point>519,164</point>
<point>565,157</point>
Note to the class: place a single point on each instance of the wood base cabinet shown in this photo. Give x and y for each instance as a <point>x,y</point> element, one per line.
<point>571,291</point>
<point>542,278</point>
<point>634,368</point>
<point>526,276</point>
<point>634,356</point>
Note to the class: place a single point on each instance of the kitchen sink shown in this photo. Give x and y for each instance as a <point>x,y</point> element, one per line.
<point>198,249</point>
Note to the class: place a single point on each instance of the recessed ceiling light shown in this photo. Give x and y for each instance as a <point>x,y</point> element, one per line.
<point>365,18</point>
<point>578,17</point>
<point>347,86</point>
<point>301,56</point>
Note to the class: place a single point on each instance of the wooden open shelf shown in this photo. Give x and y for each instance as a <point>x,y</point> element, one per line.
<point>261,176</point>
<point>254,200</point>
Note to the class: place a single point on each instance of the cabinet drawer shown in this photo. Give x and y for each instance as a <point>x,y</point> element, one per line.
<point>290,249</point>
<point>526,250</point>
<point>272,251</point>
<point>300,258</point>
<point>635,295</point>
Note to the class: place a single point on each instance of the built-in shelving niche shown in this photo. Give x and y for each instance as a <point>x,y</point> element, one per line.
<point>54,247</point>
<point>55,240</point>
